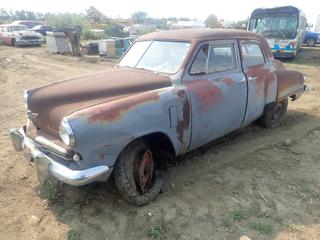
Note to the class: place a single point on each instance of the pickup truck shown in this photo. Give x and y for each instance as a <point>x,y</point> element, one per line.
<point>173,91</point>
<point>311,39</point>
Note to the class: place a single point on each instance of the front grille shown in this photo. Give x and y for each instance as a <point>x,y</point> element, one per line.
<point>30,38</point>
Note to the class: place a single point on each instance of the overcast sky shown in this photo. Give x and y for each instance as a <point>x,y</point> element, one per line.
<point>226,9</point>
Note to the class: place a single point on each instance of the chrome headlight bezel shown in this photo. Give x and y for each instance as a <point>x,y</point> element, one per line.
<point>66,132</point>
<point>25,98</point>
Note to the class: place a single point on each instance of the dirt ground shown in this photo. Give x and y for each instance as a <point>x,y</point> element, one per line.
<point>253,184</point>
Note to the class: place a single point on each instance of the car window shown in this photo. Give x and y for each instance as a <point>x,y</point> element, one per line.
<point>252,54</point>
<point>199,65</point>
<point>221,57</point>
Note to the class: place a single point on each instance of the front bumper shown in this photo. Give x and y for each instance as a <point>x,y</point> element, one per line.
<point>283,54</point>
<point>48,167</point>
<point>28,42</point>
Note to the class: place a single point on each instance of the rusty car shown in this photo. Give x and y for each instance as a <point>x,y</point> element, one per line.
<point>172,92</point>
<point>19,35</point>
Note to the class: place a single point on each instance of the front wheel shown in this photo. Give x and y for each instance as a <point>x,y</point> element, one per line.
<point>272,116</point>
<point>135,174</point>
<point>311,42</point>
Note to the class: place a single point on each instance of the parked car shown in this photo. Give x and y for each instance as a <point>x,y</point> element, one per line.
<point>173,91</point>
<point>43,29</point>
<point>29,23</point>
<point>311,39</point>
<point>19,35</point>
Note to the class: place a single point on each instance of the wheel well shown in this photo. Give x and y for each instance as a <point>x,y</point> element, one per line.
<point>159,142</point>
<point>311,38</point>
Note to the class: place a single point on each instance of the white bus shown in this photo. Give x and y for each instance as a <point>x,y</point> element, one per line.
<point>283,27</point>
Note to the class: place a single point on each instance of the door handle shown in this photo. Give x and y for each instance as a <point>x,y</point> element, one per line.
<point>252,78</point>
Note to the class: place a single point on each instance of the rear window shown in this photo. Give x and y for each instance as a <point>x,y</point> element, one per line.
<point>252,54</point>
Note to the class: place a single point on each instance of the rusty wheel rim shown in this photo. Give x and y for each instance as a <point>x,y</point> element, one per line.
<point>144,171</point>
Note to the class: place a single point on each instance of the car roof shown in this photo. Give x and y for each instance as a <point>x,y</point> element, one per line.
<point>198,34</point>
<point>12,25</point>
<point>27,21</point>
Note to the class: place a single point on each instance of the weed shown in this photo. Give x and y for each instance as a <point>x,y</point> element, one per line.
<point>158,232</point>
<point>256,212</point>
<point>72,235</point>
<point>50,191</point>
<point>238,215</point>
<point>262,228</point>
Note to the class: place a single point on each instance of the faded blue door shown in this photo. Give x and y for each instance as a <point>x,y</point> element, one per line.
<point>218,91</point>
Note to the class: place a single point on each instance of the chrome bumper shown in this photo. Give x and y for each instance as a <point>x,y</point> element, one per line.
<point>48,167</point>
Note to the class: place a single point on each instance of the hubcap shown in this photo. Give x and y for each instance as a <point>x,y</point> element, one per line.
<point>143,172</point>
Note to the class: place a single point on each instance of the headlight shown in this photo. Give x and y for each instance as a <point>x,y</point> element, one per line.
<point>66,133</point>
<point>283,44</point>
<point>25,98</point>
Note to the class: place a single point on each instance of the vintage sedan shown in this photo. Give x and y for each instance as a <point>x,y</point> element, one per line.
<point>173,91</point>
<point>19,35</point>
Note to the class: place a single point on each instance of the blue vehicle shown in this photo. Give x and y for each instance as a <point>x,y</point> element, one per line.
<point>311,39</point>
<point>283,27</point>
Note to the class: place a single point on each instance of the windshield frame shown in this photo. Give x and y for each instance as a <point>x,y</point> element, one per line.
<point>272,16</point>
<point>17,28</point>
<point>158,40</point>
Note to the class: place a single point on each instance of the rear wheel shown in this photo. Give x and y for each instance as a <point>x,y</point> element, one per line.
<point>311,42</point>
<point>273,116</point>
<point>135,174</point>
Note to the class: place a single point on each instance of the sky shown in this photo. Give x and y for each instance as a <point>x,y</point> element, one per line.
<point>231,10</point>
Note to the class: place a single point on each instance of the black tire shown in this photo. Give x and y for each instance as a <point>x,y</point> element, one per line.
<point>14,43</point>
<point>311,42</point>
<point>138,187</point>
<point>273,116</point>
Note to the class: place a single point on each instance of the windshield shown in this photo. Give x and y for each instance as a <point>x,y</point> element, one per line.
<point>283,27</point>
<point>158,56</point>
<point>17,28</point>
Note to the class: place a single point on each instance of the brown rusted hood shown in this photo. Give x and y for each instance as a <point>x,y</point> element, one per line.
<point>54,101</point>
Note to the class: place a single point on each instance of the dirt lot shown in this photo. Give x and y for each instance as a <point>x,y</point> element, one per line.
<point>259,183</point>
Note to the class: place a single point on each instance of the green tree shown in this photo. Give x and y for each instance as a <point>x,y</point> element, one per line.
<point>139,17</point>
<point>213,22</point>
<point>239,24</point>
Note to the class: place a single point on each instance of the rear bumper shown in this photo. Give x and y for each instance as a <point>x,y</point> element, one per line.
<point>48,167</point>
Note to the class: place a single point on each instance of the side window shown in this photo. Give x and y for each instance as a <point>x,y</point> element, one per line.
<point>221,57</point>
<point>199,65</point>
<point>252,54</point>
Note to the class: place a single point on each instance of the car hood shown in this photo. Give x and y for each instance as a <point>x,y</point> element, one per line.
<point>27,33</point>
<point>50,103</point>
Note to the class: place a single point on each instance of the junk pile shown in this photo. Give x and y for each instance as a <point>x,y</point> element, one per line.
<point>64,41</point>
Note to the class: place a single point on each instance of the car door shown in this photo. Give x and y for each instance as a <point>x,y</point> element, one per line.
<point>217,91</point>
<point>257,71</point>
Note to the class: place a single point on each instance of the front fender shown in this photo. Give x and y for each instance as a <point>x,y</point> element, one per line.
<point>102,131</point>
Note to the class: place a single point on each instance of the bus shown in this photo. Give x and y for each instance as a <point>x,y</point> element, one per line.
<point>283,27</point>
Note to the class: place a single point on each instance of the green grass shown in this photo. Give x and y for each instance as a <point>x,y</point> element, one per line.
<point>72,235</point>
<point>158,232</point>
<point>238,215</point>
<point>262,228</point>
<point>50,191</point>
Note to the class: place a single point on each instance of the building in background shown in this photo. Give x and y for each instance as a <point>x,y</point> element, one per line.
<point>185,24</point>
